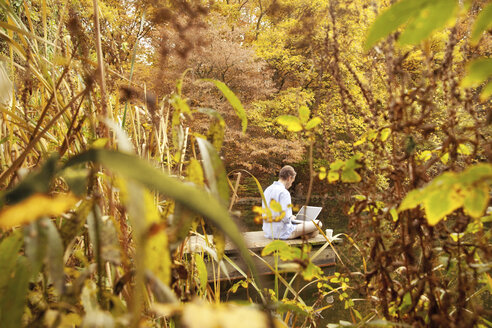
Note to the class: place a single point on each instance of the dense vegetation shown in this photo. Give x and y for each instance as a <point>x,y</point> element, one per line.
<point>128,126</point>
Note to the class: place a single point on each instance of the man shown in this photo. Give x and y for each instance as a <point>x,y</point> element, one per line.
<point>285,228</point>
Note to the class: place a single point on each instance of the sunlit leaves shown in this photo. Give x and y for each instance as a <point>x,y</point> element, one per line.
<point>202,272</point>
<point>304,113</point>
<point>343,170</point>
<point>275,206</point>
<point>296,124</point>
<point>292,123</point>
<point>372,135</point>
<point>233,100</point>
<point>311,271</point>
<point>34,207</point>
<point>385,133</point>
<point>157,256</point>
<point>314,122</point>
<point>422,17</point>
<point>450,191</point>
<point>284,251</point>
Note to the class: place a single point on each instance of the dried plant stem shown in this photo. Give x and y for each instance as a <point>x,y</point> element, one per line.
<point>103,130</point>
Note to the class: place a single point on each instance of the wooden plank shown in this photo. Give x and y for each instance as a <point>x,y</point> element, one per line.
<point>255,240</point>
<point>324,259</point>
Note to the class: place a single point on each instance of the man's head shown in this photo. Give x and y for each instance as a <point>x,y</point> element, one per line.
<point>287,175</point>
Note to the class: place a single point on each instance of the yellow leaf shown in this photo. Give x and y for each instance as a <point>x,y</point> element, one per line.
<point>333,176</point>
<point>157,256</point>
<point>291,122</point>
<point>275,206</point>
<point>35,207</point>
<point>385,133</point>
<point>99,143</point>
<point>445,158</point>
<point>489,281</point>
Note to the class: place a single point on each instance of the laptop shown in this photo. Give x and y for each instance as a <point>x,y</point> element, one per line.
<point>307,213</point>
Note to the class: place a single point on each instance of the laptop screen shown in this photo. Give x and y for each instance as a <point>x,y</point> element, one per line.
<point>307,213</point>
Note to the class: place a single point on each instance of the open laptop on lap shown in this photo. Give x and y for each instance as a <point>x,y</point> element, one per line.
<point>307,213</point>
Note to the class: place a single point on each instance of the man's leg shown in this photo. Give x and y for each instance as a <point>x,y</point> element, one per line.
<point>305,228</point>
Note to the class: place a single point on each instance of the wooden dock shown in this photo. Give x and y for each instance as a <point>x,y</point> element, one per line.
<point>256,242</point>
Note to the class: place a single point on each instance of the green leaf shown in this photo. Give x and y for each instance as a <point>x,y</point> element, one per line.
<point>337,165</point>
<point>202,272</point>
<point>394,214</point>
<point>392,18</point>
<point>411,200</point>
<point>233,100</point>
<point>483,23</point>
<point>441,202</point>
<point>214,171</point>
<point>478,71</point>
<point>286,252</point>
<point>314,122</point>
<point>486,91</point>
<point>434,15</point>
<point>274,246</point>
<point>406,302</point>
<point>201,202</point>
<point>476,200</point>
<point>352,163</point>
<point>476,173</point>
<point>13,300</point>
<point>35,241</point>
<point>304,114</point>
<point>311,271</point>
<point>54,255</point>
<point>180,104</point>
<point>9,252</point>
<point>349,175</point>
<point>195,172</point>
<point>333,176</point>
<point>291,122</point>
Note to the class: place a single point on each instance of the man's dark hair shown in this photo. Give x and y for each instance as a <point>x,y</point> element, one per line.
<point>286,172</point>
